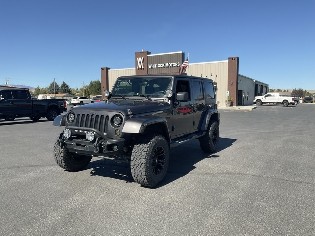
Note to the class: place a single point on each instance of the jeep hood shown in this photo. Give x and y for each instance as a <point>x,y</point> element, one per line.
<point>125,106</point>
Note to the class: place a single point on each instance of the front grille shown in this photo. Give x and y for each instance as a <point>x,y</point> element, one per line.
<point>98,122</point>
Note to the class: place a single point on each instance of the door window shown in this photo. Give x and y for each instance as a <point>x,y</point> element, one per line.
<point>6,95</point>
<point>20,94</point>
<point>197,90</point>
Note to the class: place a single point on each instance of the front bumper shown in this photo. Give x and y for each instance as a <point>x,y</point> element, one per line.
<point>100,145</point>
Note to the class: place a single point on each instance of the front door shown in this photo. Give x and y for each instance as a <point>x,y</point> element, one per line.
<point>183,113</point>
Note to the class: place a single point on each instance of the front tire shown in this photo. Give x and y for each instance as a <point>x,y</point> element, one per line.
<point>285,103</point>
<point>70,161</point>
<point>150,160</point>
<point>258,102</point>
<point>209,141</point>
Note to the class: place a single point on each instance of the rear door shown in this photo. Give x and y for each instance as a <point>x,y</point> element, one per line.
<point>198,102</point>
<point>183,114</point>
<point>22,103</point>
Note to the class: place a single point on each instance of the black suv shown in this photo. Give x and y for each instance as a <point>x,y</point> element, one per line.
<point>142,119</point>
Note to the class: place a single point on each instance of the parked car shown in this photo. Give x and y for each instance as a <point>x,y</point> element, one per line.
<point>275,98</point>
<point>17,102</point>
<point>142,119</point>
<point>308,100</point>
<point>80,101</point>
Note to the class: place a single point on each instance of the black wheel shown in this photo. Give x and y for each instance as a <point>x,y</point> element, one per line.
<point>285,103</point>
<point>150,160</point>
<point>70,161</point>
<point>9,118</point>
<point>209,141</point>
<point>35,118</point>
<point>258,102</point>
<point>52,114</point>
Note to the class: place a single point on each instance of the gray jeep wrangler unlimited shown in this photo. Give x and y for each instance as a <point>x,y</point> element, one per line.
<point>142,119</point>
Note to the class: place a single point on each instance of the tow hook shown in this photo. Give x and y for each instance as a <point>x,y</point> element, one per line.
<point>97,146</point>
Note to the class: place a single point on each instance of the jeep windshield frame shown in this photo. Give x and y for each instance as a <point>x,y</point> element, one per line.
<point>146,87</point>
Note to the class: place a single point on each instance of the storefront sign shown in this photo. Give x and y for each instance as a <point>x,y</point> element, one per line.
<point>164,65</point>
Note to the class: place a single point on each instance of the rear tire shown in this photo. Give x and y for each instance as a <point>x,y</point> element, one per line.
<point>150,160</point>
<point>285,103</point>
<point>52,114</point>
<point>70,161</point>
<point>209,141</point>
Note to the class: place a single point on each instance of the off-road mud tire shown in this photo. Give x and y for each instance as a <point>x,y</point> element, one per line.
<point>70,161</point>
<point>150,160</point>
<point>209,141</point>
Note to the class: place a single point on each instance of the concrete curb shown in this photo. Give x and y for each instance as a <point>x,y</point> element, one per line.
<point>237,108</point>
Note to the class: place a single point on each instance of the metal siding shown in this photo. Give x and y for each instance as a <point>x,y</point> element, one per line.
<point>114,74</point>
<point>219,72</point>
<point>248,87</point>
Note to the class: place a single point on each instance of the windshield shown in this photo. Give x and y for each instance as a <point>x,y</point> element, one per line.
<point>155,87</point>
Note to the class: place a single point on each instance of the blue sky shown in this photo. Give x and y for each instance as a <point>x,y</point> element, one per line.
<point>70,40</point>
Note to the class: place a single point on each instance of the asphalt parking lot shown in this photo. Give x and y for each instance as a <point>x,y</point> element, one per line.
<point>260,182</point>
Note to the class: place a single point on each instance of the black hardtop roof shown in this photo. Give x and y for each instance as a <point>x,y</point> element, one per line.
<point>166,76</point>
<point>11,88</point>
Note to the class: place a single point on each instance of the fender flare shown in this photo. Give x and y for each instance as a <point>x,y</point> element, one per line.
<point>206,119</point>
<point>138,125</point>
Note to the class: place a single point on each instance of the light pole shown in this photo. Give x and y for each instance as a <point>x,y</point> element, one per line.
<point>54,88</point>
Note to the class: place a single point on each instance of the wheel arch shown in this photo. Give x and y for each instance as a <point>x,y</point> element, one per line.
<point>157,125</point>
<point>209,117</point>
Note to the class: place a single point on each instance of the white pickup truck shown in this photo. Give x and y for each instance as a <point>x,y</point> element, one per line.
<point>275,98</point>
<point>80,101</point>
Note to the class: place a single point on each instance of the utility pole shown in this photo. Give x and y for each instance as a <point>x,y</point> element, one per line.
<point>83,89</point>
<point>54,88</point>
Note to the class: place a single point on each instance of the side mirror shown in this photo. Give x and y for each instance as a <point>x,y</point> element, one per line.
<point>182,96</point>
<point>107,94</point>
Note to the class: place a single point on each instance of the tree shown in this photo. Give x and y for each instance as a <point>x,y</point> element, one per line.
<point>39,90</point>
<point>64,88</point>
<point>53,88</point>
<point>94,88</point>
<point>298,93</point>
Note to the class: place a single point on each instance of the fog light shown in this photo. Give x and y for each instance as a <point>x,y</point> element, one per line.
<point>67,133</point>
<point>90,136</point>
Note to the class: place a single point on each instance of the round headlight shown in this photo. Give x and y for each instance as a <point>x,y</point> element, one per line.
<point>117,120</point>
<point>71,117</point>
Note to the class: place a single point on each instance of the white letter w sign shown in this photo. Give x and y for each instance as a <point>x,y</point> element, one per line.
<point>140,63</point>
